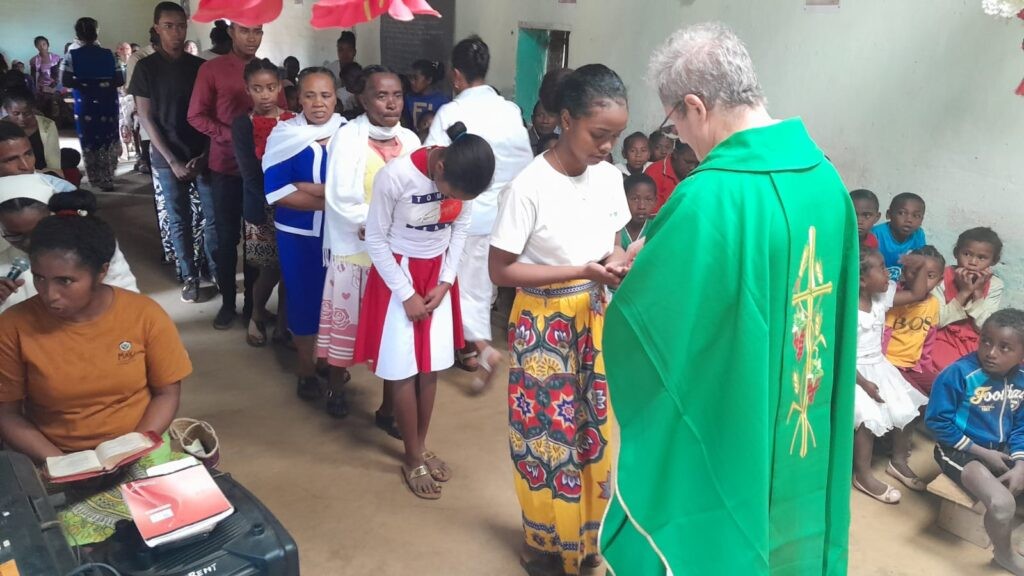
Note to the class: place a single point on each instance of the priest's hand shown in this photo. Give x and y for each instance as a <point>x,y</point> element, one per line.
<point>634,249</point>
<point>436,296</point>
<point>597,272</point>
<point>1014,479</point>
<point>872,390</point>
<point>415,308</point>
<point>618,267</point>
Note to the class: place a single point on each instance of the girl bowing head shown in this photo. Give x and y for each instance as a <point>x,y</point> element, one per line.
<point>411,324</point>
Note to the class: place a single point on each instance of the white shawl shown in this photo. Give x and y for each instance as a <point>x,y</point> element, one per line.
<point>295,135</point>
<point>345,185</point>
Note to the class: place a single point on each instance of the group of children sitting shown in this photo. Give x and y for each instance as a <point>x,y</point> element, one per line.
<point>932,338</point>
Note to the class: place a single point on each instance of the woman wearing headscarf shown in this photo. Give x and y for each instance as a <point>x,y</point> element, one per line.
<point>23,204</point>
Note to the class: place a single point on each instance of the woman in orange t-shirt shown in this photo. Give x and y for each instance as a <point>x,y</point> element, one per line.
<point>83,362</point>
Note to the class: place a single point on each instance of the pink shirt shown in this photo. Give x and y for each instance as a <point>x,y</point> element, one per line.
<point>219,96</point>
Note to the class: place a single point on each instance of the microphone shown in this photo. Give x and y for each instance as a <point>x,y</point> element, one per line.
<point>18,267</point>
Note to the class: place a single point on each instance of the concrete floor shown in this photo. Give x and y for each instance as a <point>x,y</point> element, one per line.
<point>336,486</point>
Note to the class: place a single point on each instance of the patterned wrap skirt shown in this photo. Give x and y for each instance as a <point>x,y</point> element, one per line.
<point>261,242</point>
<point>339,312</point>
<point>560,418</point>
<point>394,346</point>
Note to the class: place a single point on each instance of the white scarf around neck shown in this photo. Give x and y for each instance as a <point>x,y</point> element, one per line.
<point>345,185</point>
<point>295,135</point>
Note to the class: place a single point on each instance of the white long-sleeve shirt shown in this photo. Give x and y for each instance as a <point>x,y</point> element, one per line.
<point>409,217</point>
<point>499,122</point>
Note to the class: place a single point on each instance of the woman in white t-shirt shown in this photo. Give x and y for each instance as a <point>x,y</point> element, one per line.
<point>499,122</point>
<point>555,239</point>
<point>409,325</point>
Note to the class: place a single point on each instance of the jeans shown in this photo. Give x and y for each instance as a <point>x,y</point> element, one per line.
<point>227,208</point>
<point>178,205</point>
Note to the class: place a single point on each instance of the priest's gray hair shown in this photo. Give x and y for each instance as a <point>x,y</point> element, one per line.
<point>709,61</point>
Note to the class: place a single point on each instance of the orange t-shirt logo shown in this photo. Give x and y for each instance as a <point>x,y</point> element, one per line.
<point>125,352</point>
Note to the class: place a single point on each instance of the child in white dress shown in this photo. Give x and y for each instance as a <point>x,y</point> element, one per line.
<point>884,401</point>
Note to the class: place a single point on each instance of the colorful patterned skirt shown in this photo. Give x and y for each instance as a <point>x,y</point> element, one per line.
<point>339,312</point>
<point>560,418</point>
<point>97,113</point>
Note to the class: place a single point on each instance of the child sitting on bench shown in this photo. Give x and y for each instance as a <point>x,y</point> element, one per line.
<point>977,415</point>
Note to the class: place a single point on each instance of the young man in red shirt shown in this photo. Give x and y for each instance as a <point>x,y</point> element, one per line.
<point>220,96</point>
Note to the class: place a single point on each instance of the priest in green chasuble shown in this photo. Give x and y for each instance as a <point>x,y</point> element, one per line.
<point>730,346</point>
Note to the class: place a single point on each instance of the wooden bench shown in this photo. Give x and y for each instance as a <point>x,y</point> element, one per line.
<point>959,513</point>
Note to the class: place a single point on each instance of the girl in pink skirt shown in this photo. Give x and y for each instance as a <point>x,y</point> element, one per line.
<point>410,323</point>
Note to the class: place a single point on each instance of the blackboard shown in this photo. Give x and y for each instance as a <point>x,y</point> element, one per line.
<point>427,37</point>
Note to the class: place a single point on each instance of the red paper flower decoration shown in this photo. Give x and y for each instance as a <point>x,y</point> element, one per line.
<point>348,13</point>
<point>245,12</point>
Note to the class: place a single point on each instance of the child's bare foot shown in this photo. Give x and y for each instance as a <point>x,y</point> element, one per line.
<point>1011,561</point>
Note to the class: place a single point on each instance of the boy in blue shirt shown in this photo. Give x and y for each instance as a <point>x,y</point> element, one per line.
<point>902,233</point>
<point>976,411</point>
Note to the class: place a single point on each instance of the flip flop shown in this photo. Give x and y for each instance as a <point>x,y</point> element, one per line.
<point>915,484</point>
<point>439,474</point>
<point>890,496</point>
<point>419,472</point>
<point>261,327</point>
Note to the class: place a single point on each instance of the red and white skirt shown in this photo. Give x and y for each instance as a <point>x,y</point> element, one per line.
<point>394,346</point>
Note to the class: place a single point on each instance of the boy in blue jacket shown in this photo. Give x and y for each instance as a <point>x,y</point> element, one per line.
<point>977,415</point>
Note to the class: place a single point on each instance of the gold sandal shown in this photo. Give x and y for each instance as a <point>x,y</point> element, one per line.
<point>438,474</point>
<point>419,472</point>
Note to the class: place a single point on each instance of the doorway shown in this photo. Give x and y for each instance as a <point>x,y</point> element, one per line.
<point>538,51</point>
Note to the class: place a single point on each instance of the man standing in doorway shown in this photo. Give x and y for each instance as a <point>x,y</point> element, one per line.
<point>731,344</point>
<point>162,87</point>
<point>218,98</point>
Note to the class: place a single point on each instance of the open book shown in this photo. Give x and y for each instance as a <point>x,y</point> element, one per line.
<point>107,457</point>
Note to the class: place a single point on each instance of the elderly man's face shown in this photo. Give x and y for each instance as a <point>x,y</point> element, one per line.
<point>690,119</point>
<point>16,157</point>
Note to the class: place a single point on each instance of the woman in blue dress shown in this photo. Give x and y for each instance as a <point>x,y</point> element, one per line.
<point>92,73</point>
<point>295,168</point>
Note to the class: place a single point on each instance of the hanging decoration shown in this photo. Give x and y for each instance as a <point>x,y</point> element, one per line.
<point>348,13</point>
<point>1003,8</point>
<point>1006,9</point>
<point>245,12</point>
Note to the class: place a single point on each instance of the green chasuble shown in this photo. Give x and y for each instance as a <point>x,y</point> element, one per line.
<point>730,351</point>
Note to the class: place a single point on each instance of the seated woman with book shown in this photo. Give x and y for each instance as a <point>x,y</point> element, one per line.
<point>83,362</point>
